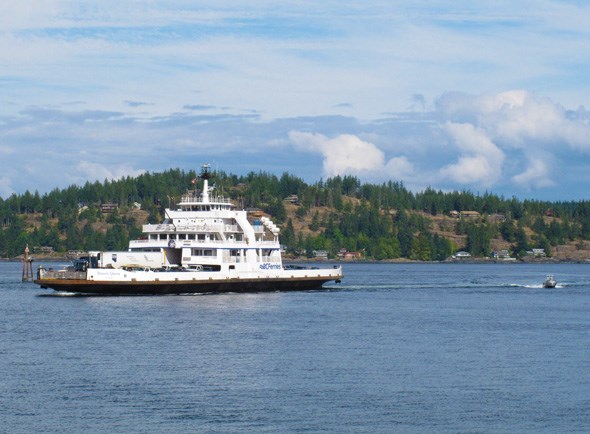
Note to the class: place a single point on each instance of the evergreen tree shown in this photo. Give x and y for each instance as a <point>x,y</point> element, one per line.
<point>508,231</point>
<point>522,244</point>
<point>315,222</point>
<point>442,248</point>
<point>288,235</point>
<point>387,248</point>
<point>422,247</point>
<point>405,234</point>
<point>543,243</point>
<point>478,239</point>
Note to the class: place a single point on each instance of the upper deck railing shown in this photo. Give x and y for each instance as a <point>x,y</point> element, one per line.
<point>189,199</point>
<point>192,227</point>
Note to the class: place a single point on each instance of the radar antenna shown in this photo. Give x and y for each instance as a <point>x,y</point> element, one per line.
<point>205,174</point>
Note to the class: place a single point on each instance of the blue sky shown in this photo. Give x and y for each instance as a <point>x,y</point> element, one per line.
<point>484,96</point>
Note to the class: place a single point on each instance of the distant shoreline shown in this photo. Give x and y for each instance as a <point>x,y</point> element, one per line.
<point>368,261</point>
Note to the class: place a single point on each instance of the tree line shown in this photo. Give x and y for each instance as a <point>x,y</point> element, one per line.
<point>382,221</point>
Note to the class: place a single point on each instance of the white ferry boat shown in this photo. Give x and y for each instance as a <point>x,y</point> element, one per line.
<point>204,245</point>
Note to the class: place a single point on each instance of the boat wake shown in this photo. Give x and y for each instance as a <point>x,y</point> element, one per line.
<point>536,286</point>
<point>480,286</point>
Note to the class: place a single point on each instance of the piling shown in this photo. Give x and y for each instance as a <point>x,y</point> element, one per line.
<point>27,266</point>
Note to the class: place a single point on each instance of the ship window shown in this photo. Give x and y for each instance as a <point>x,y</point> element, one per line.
<point>232,267</point>
<point>191,236</point>
<point>162,236</point>
<point>204,252</point>
<point>181,236</point>
<point>172,236</point>
<point>153,236</point>
<point>201,237</point>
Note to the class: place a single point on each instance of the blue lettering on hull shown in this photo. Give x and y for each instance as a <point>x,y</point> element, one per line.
<point>269,266</point>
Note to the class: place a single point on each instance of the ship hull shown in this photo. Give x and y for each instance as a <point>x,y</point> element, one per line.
<point>180,287</point>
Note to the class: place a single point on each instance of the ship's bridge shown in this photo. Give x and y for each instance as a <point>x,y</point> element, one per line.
<point>193,202</point>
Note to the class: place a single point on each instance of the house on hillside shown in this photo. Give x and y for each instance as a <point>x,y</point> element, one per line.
<point>537,253</point>
<point>349,256</point>
<point>320,254</point>
<point>345,255</point>
<point>294,199</point>
<point>503,255</point>
<point>470,214</point>
<point>497,218</point>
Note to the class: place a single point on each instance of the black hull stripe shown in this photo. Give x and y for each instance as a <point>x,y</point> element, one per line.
<point>152,288</point>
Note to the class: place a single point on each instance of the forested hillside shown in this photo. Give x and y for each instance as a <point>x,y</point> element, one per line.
<point>339,214</point>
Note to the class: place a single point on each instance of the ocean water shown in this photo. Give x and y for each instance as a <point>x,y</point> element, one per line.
<point>393,348</point>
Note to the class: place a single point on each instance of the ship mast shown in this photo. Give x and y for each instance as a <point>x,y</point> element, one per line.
<point>205,175</point>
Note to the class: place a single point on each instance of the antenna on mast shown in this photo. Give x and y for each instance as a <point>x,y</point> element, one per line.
<point>205,174</point>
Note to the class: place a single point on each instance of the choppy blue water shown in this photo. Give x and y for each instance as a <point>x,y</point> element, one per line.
<point>393,348</point>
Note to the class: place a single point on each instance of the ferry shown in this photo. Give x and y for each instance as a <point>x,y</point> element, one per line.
<point>204,245</point>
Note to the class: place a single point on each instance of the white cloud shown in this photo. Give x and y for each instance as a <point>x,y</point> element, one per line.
<point>348,154</point>
<point>517,119</point>
<point>6,187</point>
<point>513,138</point>
<point>400,168</point>
<point>502,140</point>
<point>470,170</point>
<point>537,175</point>
<point>343,154</point>
<point>93,171</point>
<point>481,160</point>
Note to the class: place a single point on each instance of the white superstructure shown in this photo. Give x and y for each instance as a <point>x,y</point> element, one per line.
<point>207,232</point>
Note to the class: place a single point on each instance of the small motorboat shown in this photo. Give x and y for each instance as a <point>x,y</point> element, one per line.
<point>550,282</point>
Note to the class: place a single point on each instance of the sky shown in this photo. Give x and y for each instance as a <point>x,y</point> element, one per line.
<point>484,96</point>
